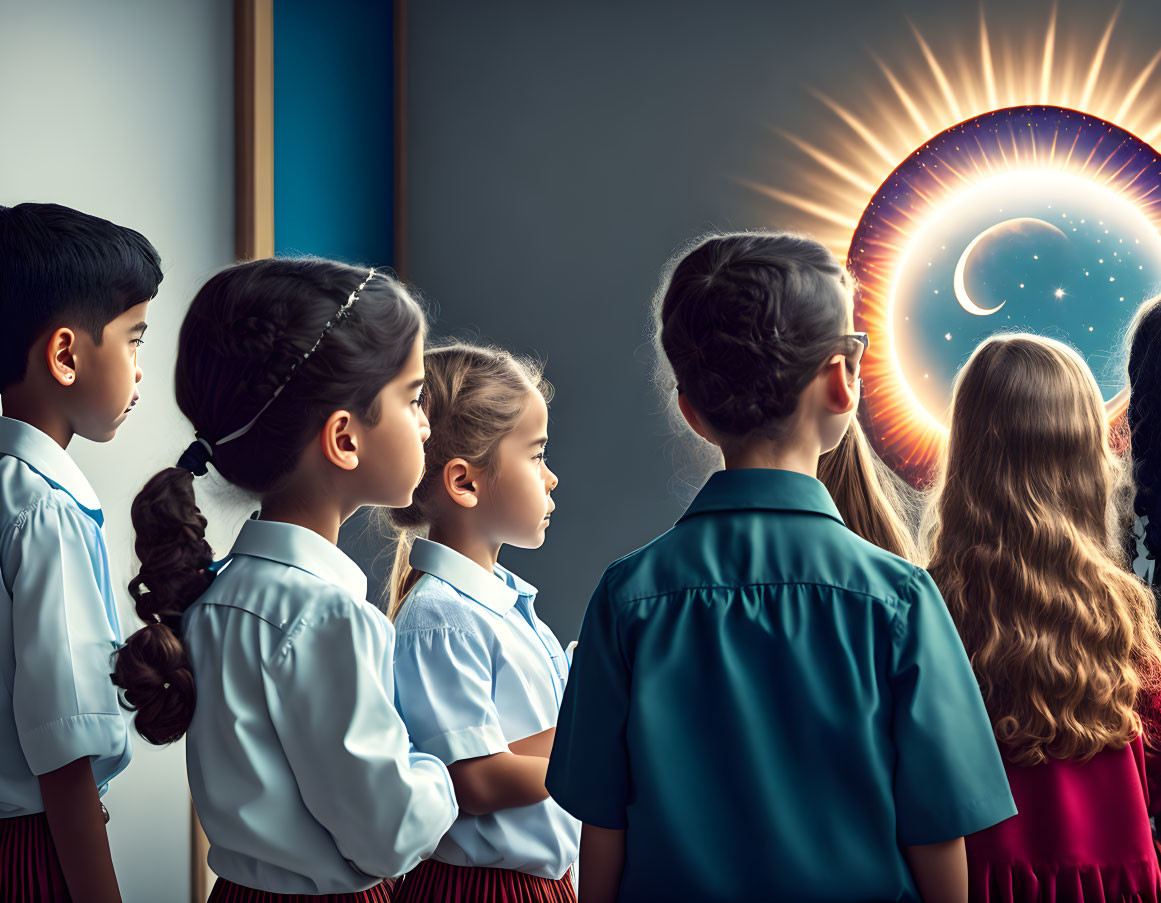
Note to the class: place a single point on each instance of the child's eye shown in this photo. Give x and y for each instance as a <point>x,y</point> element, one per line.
<point>138,342</point>
<point>543,456</point>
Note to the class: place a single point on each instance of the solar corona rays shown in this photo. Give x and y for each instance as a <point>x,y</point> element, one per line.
<point>1016,191</point>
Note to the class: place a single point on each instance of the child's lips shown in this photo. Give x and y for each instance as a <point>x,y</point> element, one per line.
<point>136,398</point>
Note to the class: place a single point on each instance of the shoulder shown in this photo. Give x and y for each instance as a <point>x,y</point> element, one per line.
<point>433,604</point>
<point>45,516</point>
<point>833,557</point>
<point>293,603</point>
<point>24,491</point>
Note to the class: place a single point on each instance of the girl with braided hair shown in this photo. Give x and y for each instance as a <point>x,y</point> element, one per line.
<point>763,705</point>
<point>301,379</point>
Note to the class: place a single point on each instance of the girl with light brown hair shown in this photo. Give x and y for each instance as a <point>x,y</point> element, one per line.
<point>1062,639</point>
<point>478,675</point>
<point>874,502</point>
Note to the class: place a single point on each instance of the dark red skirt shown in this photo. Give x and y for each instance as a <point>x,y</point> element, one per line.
<point>433,881</point>
<point>29,867</point>
<point>228,892</point>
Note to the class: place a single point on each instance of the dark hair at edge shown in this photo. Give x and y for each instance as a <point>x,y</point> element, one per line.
<point>244,331</point>
<point>59,266</point>
<point>1144,418</point>
<point>745,321</point>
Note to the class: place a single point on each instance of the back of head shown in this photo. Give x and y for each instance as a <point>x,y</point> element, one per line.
<point>873,502</point>
<point>1060,636</point>
<point>243,343</point>
<point>59,266</point>
<point>744,322</point>
<point>473,397</point>
<point>1144,417</point>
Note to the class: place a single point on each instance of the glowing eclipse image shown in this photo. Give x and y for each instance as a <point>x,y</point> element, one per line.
<point>1033,206</point>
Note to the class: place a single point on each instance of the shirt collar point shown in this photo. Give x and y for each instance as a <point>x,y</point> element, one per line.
<point>492,591</point>
<point>42,453</point>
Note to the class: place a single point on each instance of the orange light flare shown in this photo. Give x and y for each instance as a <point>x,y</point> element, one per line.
<point>1094,68</point>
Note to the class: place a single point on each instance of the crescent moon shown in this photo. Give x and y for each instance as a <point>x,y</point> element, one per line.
<point>961,294</point>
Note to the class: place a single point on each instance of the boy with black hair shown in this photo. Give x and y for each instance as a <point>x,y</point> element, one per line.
<point>73,295</point>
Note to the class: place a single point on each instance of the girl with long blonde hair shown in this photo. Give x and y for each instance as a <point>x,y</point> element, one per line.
<point>1062,639</point>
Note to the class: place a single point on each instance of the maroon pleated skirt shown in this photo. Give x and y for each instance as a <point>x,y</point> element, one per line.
<point>228,892</point>
<point>433,881</point>
<point>29,867</point>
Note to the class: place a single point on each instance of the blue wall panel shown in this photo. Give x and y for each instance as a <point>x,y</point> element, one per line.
<point>333,130</point>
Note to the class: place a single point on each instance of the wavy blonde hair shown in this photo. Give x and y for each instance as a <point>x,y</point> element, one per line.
<point>473,397</point>
<point>874,503</point>
<point>1062,639</point>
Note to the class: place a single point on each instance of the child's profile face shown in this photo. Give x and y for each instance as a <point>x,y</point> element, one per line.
<point>518,502</point>
<point>107,376</point>
<point>391,452</point>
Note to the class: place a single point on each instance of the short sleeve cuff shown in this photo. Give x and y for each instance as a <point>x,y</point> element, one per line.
<point>50,746</point>
<point>956,821</point>
<point>466,743</point>
<point>586,807</point>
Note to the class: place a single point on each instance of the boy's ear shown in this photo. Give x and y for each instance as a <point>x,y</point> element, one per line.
<point>694,419</point>
<point>462,480</point>
<point>340,444</point>
<point>60,355</point>
<point>839,389</point>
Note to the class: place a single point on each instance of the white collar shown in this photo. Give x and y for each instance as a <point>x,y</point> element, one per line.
<point>497,591</point>
<point>301,548</point>
<point>40,452</point>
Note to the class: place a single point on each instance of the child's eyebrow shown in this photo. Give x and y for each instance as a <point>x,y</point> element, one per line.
<point>415,385</point>
<point>543,440</point>
<point>139,328</point>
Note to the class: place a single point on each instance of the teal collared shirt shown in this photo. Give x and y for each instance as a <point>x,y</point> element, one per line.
<point>300,767</point>
<point>476,669</point>
<point>771,707</point>
<point>58,623</point>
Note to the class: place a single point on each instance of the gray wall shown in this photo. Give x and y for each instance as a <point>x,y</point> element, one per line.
<point>559,153</point>
<point>557,156</point>
<point>125,109</point>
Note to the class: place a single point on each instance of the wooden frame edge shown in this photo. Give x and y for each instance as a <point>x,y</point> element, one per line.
<point>254,128</point>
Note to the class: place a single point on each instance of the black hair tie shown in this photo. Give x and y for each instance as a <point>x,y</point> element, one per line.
<point>170,620</point>
<point>196,457</point>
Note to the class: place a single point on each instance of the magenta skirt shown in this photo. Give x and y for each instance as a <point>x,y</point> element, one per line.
<point>228,892</point>
<point>29,868</point>
<point>433,881</point>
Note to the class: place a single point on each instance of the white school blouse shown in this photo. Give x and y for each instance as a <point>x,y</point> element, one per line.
<point>476,669</point>
<point>300,767</point>
<point>58,623</point>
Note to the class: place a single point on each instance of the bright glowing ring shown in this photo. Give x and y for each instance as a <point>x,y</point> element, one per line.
<point>1003,143</point>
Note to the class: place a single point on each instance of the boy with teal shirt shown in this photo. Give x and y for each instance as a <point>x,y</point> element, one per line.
<point>762,704</point>
<point>73,296</point>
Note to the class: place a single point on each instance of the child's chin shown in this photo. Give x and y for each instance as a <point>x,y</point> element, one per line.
<point>102,433</point>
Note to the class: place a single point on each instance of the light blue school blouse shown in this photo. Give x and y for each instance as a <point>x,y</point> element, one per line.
<point>476,669</point>
<point>770,707</point>
<point>58,623</point>
<point>300,768</point>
